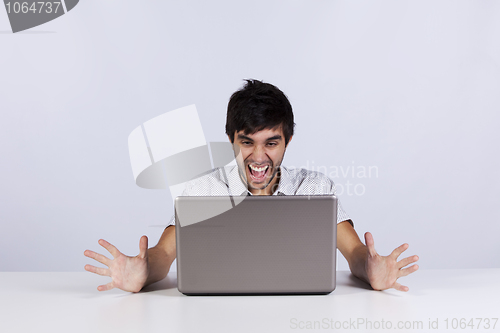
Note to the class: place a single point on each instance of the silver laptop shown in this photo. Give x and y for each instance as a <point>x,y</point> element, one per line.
<point>256,245</point>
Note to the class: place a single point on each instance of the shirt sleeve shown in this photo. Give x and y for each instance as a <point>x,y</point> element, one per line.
<point>171,222</point>
<point>341,213</point>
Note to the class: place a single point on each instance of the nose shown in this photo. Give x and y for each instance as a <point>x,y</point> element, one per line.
<point>259,154</point>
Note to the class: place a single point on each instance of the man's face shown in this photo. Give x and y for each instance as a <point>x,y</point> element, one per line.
<point>259,156</point>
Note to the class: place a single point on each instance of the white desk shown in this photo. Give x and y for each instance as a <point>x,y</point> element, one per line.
<point>70,302</point>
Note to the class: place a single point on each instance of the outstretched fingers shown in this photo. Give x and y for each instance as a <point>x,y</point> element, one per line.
<point>98,270</point>
<point>400,287</point>
<point>106,287</point>
<point>143,247</point>
<point>110,247</point>
<point>370,244</point>
<point>397,251</point>
<point>406,261</point>
<point>408,270</point>
<point>99,257</point>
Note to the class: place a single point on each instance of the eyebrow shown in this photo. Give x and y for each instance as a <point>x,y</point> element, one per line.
<point>244,137</point>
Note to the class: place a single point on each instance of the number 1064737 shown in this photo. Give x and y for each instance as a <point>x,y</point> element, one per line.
<point>35,7</point>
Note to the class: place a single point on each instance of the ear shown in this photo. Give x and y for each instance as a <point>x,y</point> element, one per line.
<point>290,140</point>
<point>229,138</point>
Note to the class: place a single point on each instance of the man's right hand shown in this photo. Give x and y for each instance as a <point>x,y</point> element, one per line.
<point>127,273</point>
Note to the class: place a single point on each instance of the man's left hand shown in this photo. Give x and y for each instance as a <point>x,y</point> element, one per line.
<point>383,272</point>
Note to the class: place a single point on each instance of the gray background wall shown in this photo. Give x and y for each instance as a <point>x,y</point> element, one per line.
<point>409,88</point>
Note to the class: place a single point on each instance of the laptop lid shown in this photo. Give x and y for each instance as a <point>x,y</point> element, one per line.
<point>256,244</point>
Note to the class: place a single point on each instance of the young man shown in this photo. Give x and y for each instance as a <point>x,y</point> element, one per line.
<point>260,126</point>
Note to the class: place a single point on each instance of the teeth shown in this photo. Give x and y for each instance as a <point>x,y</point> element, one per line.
<point>258,169</point>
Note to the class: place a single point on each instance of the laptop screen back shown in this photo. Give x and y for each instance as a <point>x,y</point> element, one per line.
<point>256,244</point>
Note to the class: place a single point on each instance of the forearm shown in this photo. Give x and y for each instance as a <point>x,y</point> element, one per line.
<point>161,256</point>
<point>351,247</point>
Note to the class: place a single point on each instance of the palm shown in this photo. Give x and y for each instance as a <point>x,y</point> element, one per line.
<point>384,271</point>
<point>127,273</point>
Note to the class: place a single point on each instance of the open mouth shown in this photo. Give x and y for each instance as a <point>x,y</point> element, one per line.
<point>258,173</point>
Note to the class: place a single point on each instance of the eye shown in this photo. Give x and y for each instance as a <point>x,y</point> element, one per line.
<point>272,144</point>
<point>246,143</point>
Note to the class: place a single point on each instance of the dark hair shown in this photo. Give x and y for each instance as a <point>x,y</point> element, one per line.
<point>259,106</point>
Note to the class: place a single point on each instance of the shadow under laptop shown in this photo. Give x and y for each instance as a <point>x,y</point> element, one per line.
<point>346,284</point>
<point>167,286</point>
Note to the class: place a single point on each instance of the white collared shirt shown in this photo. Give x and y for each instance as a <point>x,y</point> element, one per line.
<point>227,182</point>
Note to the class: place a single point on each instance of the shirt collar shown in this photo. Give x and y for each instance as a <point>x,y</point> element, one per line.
<point>236,187</point>
<point>285,186</point>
